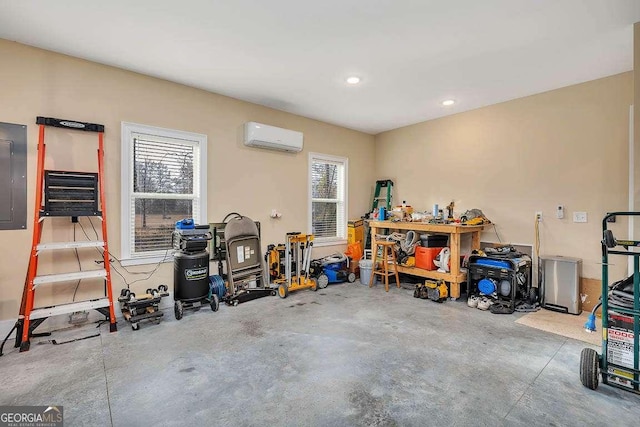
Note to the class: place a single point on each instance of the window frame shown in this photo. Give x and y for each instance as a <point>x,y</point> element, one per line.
<point>341,237</point>
<point>128,257</point>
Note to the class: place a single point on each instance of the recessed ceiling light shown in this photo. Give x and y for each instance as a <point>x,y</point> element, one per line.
<point>353,80</point>
<point>448,102</point>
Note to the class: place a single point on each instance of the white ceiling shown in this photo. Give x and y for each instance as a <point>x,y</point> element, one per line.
<point>294,55</point>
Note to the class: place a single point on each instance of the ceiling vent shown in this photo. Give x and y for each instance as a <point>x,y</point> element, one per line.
<point>272,138</point>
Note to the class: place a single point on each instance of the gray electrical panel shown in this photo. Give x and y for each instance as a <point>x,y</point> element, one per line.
<point>560,289</point>
<point>13,179</point>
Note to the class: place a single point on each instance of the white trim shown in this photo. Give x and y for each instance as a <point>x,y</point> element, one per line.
<point>153,259</point>
<point>173,196</point>
<point>632,178</point>
<point>344,162</point>
<point>631,170</point>
<point>126,178</point>
<point>328,242</point>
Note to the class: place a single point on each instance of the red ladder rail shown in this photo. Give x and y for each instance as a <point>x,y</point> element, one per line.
<point>26,321</point>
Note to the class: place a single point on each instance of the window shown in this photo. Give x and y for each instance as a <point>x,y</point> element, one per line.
<point>328,198</point>
<point>163,181</point>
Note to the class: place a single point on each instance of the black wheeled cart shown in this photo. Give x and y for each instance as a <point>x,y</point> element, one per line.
<point>191,268</point>
<point>618,363</point>
<point>144,307</point>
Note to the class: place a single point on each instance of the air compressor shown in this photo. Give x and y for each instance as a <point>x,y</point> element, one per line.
<point>191,268</point>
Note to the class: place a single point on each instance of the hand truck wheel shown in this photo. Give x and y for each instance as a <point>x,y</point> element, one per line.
<point>589,363</point>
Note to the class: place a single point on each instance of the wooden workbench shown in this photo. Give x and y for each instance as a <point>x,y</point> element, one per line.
<point>455,276</point>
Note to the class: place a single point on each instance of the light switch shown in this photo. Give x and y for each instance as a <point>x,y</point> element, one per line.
<point>579,217</point>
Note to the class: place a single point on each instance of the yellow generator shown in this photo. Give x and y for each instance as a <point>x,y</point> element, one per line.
<point>289,264</point>
<point>435,291</point>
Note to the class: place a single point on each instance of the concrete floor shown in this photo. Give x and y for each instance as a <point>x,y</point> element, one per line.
<point>344,356</point>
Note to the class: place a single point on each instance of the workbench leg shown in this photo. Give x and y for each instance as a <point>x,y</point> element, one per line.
<point>454,288</point>
<point>374,251</point>
<point>475,240</point>
<point>455,263</point>
<point>455,254</point>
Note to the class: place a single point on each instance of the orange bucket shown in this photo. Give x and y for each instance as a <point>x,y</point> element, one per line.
<point>354,251</point>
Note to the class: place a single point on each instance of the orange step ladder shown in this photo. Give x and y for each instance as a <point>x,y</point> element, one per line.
<point>65,194</point>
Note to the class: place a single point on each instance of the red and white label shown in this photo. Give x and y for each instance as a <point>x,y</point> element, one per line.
<point>620,347</point>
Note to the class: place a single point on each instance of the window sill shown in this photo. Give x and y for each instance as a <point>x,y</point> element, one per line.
<point>146,260</point>
<point>329,242</point>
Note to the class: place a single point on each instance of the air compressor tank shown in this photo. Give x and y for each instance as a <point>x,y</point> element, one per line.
<point>191,276</point>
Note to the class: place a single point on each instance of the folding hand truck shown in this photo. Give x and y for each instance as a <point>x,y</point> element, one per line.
<point>618,363</point>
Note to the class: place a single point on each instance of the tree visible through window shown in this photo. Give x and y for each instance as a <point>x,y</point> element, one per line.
<point>163,185</point>
<point>160,168</point>
<point>328,196</point>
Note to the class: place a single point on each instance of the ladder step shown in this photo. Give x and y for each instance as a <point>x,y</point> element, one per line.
<point>39,313</point>
<point>69,245</point>
<point>66,277</point>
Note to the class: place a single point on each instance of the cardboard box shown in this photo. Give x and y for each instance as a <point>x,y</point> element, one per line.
<point>355,231</point>
<point>590,291</point>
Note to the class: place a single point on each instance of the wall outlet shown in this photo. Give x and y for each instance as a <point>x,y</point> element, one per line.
<point>560,211</point>
<point>539,216</point>
<point>275,213</point>
<point>579,217</point>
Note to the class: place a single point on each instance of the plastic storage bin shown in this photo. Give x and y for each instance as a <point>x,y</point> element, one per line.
<point>425,257</point>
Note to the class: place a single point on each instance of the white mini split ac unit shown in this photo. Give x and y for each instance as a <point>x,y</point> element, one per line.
<point>271,137</point>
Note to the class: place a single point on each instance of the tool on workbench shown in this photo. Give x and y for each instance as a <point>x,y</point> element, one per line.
<point>450,210</point>
<point>442,260</point>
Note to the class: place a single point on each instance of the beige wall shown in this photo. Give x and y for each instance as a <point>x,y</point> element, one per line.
<point>568,146</point>
<point>247,180</point>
